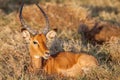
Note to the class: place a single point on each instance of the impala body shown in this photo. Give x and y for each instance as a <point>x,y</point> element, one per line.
<point>62,63</point>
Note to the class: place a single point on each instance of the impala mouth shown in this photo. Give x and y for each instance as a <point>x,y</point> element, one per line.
<point>46,56</point>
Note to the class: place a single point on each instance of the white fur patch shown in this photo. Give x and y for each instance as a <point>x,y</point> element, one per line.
<point>36,56</point>
<point>46,56</point>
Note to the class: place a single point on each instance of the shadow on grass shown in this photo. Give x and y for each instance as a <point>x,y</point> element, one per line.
<point>9,6</point>
<point>95,10</point>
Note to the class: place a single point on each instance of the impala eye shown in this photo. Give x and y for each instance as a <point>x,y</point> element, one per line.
<point>34,42</point>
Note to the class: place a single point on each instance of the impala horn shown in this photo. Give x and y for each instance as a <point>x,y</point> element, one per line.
<point>24,25</point>
<point>46,29</point>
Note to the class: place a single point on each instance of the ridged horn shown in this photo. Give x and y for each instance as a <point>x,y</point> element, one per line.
<point>46,29</point>
<point>24,25</point>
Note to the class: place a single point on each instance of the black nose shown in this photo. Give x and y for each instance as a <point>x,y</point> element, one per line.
<point>47,53</point>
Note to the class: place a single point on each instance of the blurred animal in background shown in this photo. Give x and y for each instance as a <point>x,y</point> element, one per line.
<point>98,31</point>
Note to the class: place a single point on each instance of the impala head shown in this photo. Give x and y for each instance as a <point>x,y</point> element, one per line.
<point>37,40</point>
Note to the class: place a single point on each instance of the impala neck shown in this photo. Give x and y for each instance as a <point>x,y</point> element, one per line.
<point>38,63</point>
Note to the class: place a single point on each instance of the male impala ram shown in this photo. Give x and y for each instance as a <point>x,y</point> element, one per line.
<point>63,63</point>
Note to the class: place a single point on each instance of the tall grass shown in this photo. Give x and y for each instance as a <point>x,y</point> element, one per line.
<point>65,15</point>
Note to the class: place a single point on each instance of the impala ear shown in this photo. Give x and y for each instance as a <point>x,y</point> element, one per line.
<point>26,35</point>
<point>51,35</point>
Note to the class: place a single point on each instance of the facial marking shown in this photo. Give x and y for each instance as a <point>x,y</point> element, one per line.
<point>36,56</point>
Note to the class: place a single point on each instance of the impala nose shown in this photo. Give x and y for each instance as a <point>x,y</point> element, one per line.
<point>47,55</point>
<point>47,52</point>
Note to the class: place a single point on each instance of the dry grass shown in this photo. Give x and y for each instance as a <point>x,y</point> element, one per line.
<point>63,14</point>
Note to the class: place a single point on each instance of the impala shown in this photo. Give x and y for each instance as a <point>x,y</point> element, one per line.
<point>62,63</point>
<point>100,32</point>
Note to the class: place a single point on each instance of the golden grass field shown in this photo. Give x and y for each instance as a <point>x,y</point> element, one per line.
<point>66,16</point>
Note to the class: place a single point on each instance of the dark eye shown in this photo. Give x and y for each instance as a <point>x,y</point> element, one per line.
<point>34,42</point>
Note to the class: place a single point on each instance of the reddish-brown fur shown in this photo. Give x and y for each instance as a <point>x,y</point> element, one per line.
<point>63,63</point>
